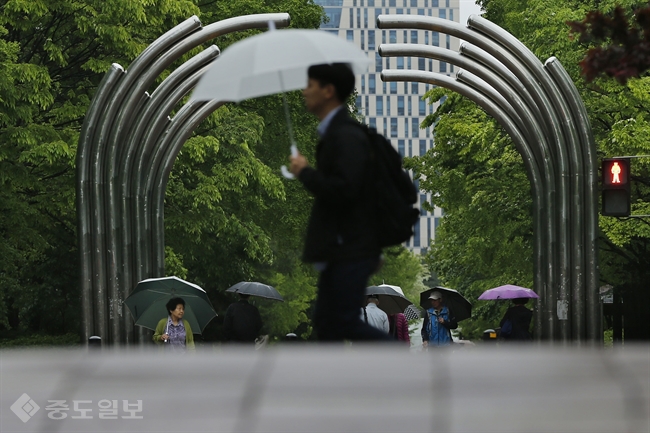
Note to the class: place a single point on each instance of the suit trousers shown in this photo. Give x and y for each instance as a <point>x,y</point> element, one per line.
<point>341,294</point>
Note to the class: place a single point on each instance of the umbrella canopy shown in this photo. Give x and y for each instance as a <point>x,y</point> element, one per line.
<point>273,62</point>
<point>256,289</point>
<point>390,300</point>
<point>412,312</point>
<point>507,292</point>
<point>460,306</point>
<point>147,302</point>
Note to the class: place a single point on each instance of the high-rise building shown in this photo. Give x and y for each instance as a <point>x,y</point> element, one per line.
<point>396,109</point>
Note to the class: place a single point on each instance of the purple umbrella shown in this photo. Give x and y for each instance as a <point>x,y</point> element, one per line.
<point>507,292</point>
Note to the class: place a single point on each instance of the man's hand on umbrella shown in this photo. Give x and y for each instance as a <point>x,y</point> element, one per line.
<point>298,162</point>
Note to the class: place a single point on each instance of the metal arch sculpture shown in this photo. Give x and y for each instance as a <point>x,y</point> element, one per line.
<point>540,108</point>
<point>126,150</point>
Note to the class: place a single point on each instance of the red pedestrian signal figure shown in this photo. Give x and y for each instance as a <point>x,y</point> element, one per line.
<point>615,178</point>
<point>616,170</point>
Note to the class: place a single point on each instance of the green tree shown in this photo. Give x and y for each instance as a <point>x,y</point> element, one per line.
<point>52,56</point>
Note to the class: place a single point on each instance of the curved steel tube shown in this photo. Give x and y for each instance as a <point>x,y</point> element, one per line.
<point>105,257</point>
<point>558,113</point>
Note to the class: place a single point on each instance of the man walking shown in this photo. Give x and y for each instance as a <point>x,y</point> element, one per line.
<point>438,323</point>
<point>340,240</point>
<point>375,317</point>
<point>242,322</point>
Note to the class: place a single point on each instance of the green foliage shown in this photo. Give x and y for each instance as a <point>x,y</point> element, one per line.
<point>41,340</point>
<point>404,269</point>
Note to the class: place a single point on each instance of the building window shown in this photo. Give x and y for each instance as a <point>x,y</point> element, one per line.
<point>423,199</point>
<point>392,35</point>
<point>422,109</point>
<point>400,105</point>
<point>434,4</point>
<point>365,18</point>
<point>406,127</point>
<point>416,234</point>
<point>429,237</point>
<point>408,104</point>
<point>371,84</point>
<point>448,41</point>
<point>408,63</point>
<point>377,62</point>
<point>421,65</point>
<point>415,89</point>
<point>423,147</point>
<point>435,39</point>
<point>443,67</point>
<point>393,87</point>
<point>400,147</point>
<point>349,35</point>
<point>363,84</point>
<point>415,126</point>
<point>392,3</point>
<point>385,131</point>
<point>451,13</point>
<point>371,3</point>
<point>414,36</point>
<point>387,105</point>
<point>393,127</point>
<point>414,3</point>
<point>372,122</point>
<point>442,13</point>
<point>363,40</point>
<point>380,105</point>
<point>357,104</point>
<point>371,39</point>
<point>400,63</point>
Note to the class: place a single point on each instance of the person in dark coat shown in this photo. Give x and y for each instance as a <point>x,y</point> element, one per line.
<point>519,317</point>
<point>340,240</point>
<point>242,322</point>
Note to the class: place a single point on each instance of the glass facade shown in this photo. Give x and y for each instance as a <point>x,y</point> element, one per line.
<point>395,109</point>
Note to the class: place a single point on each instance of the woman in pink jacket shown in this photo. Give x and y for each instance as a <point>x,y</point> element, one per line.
<point>399,328</point>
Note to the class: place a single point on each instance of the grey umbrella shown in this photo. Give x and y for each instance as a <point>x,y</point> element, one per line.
<point>390,300</point>
<point>253,288</point>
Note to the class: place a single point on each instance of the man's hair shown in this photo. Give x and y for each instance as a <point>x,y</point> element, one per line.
<point>337,74</point>
<point>520,301</point>
<point>173,303</point>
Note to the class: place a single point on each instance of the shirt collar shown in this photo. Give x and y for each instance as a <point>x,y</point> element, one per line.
<point>325,123</point>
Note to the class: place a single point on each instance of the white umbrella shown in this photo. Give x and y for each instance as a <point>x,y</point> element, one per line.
<point>275,62</point>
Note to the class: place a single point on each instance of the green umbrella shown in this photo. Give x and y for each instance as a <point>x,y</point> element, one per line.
<point>147,302</point>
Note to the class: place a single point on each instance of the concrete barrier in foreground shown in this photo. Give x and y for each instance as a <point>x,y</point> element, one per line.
<point>317,388</point>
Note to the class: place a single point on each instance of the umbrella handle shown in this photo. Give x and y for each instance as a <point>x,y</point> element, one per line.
<point>285,172</point>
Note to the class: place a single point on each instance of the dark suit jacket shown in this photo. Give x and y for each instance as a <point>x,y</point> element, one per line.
<point>341,222</point>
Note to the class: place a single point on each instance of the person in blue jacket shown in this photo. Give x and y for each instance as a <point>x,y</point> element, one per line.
<point>438,323</point>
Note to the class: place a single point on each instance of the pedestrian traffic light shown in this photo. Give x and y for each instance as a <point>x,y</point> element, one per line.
<point>616,187</point>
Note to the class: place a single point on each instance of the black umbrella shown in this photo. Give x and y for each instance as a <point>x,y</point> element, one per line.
<point>390,300</point>
<point>459,306</point>
<point>256,289</point>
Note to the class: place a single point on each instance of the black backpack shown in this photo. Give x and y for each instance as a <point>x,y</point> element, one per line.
<point>394,193</point>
